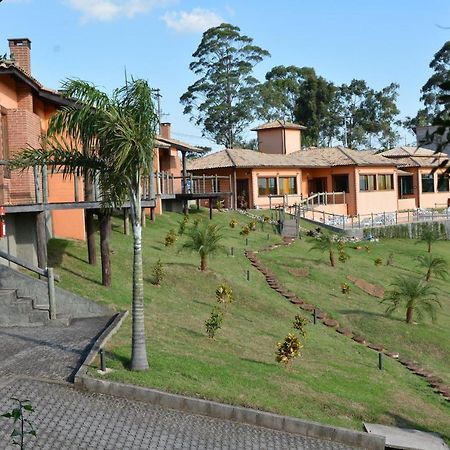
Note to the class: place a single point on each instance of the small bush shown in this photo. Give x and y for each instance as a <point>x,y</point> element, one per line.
<point>343,257</point>
<point>214,322</point>
<point>266,218</point>
<point>252,225</point>
<point>170,238</point>
<point>245,231</point>
<point>232,223</point>
<point>182,225</point>
<point>288,350</point>
<point>219,205</point>
<point>158,273</point>
<point>390,259</point>
<point>378,261</point>
<point>224,294</point>
<point>345,288</point>
<point>300,323</point>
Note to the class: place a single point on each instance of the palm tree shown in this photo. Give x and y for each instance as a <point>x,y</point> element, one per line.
<point>434,266</point>
<point>428,235</point>
<point>124,127</point>
<point>326,243</point>
<point>415,294</point>
<point>204,239</point>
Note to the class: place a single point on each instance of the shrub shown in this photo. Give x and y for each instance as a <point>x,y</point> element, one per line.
<point>182,225</point>
<point>219,205</point>
<point>300,323</point>
<point>170,239</point>
<point>345,288</point>
<point>252,225</point>
<point>158,273</point>
<point>245,231</point>
<point>343,257</point>
<point>214,322</point>
<point>288,350</point>
<point>232,223</point>
<point>378,261</point>
<point>266,218</point>
<point>224,294</point>
<point>390,259</point>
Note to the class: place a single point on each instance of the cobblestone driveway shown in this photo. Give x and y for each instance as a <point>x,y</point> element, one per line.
<point>34,364</point>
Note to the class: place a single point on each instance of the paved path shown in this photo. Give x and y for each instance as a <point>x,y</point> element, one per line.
<point>34,364</point>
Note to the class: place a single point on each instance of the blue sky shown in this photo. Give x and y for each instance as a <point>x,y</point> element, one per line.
<point>381,41</point>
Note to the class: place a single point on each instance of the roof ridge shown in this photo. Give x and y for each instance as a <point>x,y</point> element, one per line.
<point>347,155</point>
<point>227,151</point>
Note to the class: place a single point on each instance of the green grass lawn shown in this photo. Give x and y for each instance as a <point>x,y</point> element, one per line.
<point>335,381</point>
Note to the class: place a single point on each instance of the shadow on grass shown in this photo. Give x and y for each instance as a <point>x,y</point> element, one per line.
<point>56,250</point>
<point>368,313</point>
<point>77,257</point>
<point>260,363</point>
<point>65,269</point>
<point>125,361</point>
<point>192,332</point>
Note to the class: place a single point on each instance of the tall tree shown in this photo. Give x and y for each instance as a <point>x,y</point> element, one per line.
<point>368,114</point>
<point>125,129</point>
<point>223,100</point>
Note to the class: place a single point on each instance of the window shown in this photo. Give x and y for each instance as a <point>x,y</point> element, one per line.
<point>367,183</point>
<point>385,182</point>
<point>340,183</point>
<point>406,185</point>
<point>442,184</point>
<point>427,183</point>
<point>267,186</point>
<point>287,185</point>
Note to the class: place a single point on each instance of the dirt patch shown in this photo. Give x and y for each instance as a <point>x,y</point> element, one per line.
<point>302,272</point>
<point>369,288</point>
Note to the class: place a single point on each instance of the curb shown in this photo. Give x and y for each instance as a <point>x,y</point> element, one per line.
<point>113,326</point>
<point>229,412</point>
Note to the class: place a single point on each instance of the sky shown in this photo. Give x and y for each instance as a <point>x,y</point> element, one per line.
<point>380,41</point>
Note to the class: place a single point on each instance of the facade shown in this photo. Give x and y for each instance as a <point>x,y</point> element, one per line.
<point>354,182</point>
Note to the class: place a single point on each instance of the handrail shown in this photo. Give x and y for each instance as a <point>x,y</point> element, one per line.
<point>26,265</point>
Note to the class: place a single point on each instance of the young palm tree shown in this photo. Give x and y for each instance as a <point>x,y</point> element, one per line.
<point>204,239</point>
<point>428,235</point>
<point>415,294</point>
<point>437,267</point>
<point>124,127</point>
<point>326,243</point>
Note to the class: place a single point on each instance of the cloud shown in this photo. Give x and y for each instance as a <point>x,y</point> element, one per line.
<point>107,10</point>
<point>196,21</point>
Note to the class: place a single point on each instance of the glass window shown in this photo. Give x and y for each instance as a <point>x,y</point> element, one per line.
<point>385,182</point>
<point>367,183</point>
<point>267,186</point>
<point>406,185</point>
<point>287,185</point>
<point>427,183</point>
<point>340,183</point>
<point>443,185</point>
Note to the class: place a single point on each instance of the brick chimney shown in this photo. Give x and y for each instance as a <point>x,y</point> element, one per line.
<point>20,50</point>
<point>165,130</point>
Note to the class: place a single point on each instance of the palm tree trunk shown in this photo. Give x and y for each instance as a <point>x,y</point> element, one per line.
<point>427,278</point>
<point>105,232</point>
<point>429,247</point>
<point>89,223</point>
<point>139,359</point>
<point>332,262</point>
<point>409,314</point>
<point>203,262</point>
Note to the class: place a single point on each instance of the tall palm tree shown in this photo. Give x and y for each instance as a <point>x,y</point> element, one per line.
<point>417,296</point>
<point>434,266</point>
<point>428,235</point>
<point>326,243</point>
<point>204,239</point>
<point>125,130</point>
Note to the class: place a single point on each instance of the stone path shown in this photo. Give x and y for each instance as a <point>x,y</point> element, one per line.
<point>434,381</point>
<point>35,364</point>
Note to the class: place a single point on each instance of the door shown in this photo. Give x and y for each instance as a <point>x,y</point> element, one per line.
<point>243,195</point>
<point>316,185</point>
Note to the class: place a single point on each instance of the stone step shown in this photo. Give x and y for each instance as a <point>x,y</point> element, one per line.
<point>7,296</point>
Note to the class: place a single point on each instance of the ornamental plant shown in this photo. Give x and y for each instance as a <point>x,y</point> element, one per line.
<point>245,231</point>
<point>232,223</point>
<point>345,288</point>
<point>378,261</point>
<point>22,425</point>
<point>300,323</point>
<point>214,322</point>
<point>288,350</point>
<point>252,225</point>
<point>182,225</point>
<point>158,273</point>
<point>224,294</point>
<point>170,238</point>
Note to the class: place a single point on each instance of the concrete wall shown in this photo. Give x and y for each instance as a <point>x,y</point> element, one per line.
<point>279,140</point>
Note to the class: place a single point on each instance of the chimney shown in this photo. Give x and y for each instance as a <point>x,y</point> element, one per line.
<point>164,130</point>
<point>20,50</point>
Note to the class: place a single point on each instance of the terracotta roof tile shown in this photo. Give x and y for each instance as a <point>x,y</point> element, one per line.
<point>279,124</point>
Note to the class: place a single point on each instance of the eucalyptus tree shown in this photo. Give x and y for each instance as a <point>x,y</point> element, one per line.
<point>124,127</point>
<point>224,98</point>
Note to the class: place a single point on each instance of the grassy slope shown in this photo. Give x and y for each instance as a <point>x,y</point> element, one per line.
<point>336,381</point>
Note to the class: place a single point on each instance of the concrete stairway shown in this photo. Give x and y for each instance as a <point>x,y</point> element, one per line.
<point>21,311</point>
<point>289,228</point>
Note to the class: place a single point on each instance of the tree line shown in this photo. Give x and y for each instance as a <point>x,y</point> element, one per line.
<point>226,98</point>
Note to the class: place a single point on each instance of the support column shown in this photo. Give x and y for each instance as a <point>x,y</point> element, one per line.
<point>41,236</point>
<point>210,208</point>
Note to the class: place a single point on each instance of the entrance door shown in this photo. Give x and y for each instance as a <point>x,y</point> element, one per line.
<point>243,195</point>
<point>317,185</point>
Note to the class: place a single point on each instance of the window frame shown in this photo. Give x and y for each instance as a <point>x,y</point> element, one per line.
<point>427,177</point>
<point>382,176</point>
<point>267,186</point>
<point>374,176</point>
<point>441,176</point>
<point>281,185</point>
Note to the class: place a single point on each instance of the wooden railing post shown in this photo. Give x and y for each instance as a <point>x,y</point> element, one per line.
<point>51,293</point>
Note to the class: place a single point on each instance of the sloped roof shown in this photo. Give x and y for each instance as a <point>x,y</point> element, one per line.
<point>417,157</point>
<point>309,158</point>
<point>163,142</point>
<point>279,124</point>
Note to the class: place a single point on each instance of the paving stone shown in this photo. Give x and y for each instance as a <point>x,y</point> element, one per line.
<point>344,331</point>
